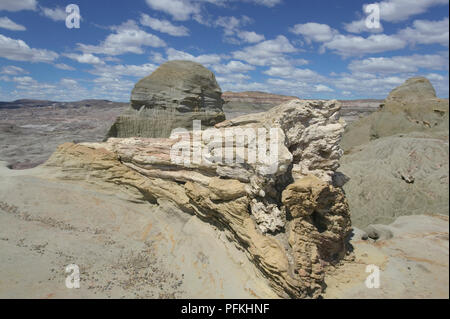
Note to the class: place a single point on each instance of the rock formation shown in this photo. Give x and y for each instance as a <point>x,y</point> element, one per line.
<point>282,210</point>
<point>395,176</point>
<point>411,107</point>
<point>396,159</point>
<point>177,93</point>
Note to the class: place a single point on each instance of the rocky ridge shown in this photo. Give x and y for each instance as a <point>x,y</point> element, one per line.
<point>286,214</point>
<point>411,107</point>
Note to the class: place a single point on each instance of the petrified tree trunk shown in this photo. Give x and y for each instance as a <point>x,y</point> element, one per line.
<point>285,212</point>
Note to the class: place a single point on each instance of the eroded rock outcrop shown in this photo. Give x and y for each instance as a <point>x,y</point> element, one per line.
<point>282,209</point>
<point>177,93</point>
<point>396,159</point>
<point>411,107</point>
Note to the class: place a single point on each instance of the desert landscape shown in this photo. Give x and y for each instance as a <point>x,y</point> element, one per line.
<point>355,183</point>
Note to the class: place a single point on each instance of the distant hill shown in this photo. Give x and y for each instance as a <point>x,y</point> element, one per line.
<point>237,104</point>
<point>28,103</point>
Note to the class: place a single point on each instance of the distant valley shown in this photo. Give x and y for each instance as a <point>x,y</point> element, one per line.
<point>31,130</point>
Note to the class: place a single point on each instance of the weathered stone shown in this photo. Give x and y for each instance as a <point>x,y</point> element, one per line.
<point>396,164</point>
<point>285,212</point>
<point>177,93</point>
<point>411,107</point>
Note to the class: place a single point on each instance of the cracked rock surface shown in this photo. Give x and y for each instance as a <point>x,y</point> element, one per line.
<point>286,214</point>
<point>177,93</point>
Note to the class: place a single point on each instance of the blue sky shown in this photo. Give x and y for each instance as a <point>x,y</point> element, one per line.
<point>309,49</point>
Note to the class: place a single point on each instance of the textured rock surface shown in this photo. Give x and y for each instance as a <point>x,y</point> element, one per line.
<point>412,258</point>
<point>396,159</point>
<point>177,93</point>
<point>286,215</point>
<point>124,247</point>
<point>30,130</point>
<point>412,107</point>
<point>396,176</point>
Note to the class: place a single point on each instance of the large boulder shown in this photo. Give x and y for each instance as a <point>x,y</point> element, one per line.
<point>414,89</point>
<point>411,107</point>
<point>177,93</point>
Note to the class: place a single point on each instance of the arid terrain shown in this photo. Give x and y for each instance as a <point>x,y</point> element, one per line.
<point>30,130</point>
<point>141,226</point>
<point>237,104</point>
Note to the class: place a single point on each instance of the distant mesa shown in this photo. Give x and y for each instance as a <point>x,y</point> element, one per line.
<point>177,93</point>
<point>29,103</point>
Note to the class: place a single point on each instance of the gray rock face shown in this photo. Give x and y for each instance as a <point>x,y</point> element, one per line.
<point>396,159</point>
<point>177,93</point>
<point>418,88</point>
<point>411,107</point>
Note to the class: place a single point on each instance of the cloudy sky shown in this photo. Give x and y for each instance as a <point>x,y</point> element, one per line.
<point>310,49</point>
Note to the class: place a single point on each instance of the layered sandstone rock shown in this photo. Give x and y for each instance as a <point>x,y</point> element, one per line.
<point>177,93</point>
<point>281,209</point>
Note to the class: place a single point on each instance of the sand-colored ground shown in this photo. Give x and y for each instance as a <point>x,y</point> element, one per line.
<point>130,249</point>
<point>124,249</point>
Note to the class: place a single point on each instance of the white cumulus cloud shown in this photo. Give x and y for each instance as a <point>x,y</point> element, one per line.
<point>349,45</point>
<point>206,59</point>
<point>400,64</point>
<point>13,70</point>
<point>163,26</point>
<point>269,52</point>
<point>7,23</point>
<point>18,5</point>
<point>233,67</point>
<point>400,10</point>
<point>316,32</point>
<point>427,32</point>
<point>128,38</point>
<point>18,50</point>
<point>56,14</point>
<point>178,9</point>
<point>86,58</point>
